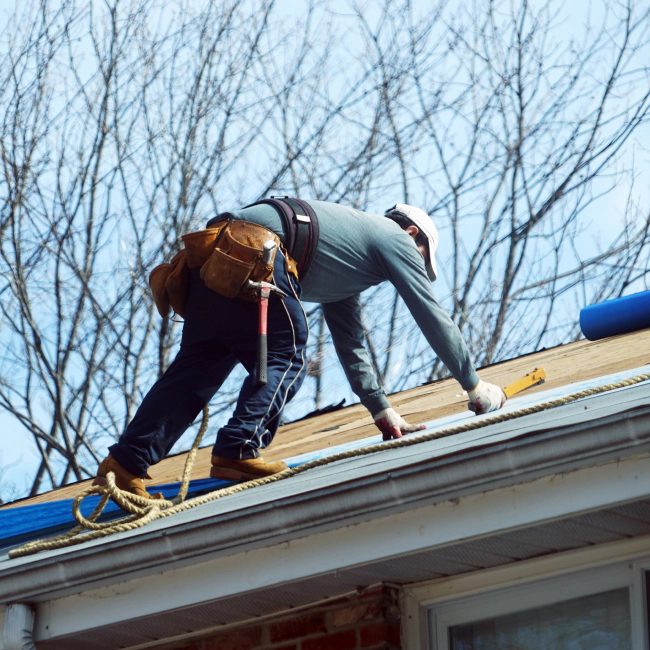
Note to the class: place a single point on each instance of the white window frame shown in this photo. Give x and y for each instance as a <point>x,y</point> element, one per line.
<point>431,608</point>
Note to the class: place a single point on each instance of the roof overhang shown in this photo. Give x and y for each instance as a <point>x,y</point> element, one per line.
<point>383,516</point>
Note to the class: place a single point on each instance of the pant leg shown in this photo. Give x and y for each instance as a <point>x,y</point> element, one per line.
<point>257,413</point>
<point>198,371</point>
<point>172,404</point>
<point>218,332</point>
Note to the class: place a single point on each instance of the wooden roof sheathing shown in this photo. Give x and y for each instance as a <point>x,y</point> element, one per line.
<point>564,365</point>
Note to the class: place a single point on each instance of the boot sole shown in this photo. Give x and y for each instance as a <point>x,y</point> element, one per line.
<point>228,474</point>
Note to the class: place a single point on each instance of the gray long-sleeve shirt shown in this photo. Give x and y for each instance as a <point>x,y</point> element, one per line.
<point>358,250</point>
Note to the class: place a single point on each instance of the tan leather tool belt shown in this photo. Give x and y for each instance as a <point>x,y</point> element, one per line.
<point>229,254</point>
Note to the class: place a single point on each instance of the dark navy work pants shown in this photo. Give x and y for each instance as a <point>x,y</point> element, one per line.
<point>218,333</point>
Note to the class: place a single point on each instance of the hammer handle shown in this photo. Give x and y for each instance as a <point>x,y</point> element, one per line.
<point>262,349</point>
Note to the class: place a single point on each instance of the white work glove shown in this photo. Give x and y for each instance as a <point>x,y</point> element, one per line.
<point>393,425</point>
<point>487,397</point>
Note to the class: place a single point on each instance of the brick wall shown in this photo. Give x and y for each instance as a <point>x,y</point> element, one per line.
<point>369,620</point>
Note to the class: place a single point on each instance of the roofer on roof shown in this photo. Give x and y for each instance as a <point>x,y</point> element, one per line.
<point>341,252</point>
<point>357,250</point>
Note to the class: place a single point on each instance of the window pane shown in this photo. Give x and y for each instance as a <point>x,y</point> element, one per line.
<point>598,622</point>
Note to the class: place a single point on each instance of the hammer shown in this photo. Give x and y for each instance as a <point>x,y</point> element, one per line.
<point>263,290</point>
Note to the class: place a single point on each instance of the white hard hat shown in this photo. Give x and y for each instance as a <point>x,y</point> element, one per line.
<point>426,226</point>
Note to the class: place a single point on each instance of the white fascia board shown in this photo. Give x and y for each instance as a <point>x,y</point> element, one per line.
<point>346,493</point>
<point>469,517</point>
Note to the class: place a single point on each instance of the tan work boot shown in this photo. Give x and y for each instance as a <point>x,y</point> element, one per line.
<point>123,479</point>
<point>232,469</point>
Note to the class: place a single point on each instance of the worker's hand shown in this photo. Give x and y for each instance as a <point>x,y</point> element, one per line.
<point>393,425</point>
<point>487,397</point>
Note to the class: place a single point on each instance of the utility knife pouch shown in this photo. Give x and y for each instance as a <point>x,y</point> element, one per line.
<point>225,274</point>
<point>200,244</point>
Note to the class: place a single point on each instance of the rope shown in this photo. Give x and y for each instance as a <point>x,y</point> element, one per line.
<point>143,510</point>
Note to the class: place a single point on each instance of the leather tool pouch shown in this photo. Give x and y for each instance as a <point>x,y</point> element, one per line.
<point>226,274</point>
<point>229,254</point>
<point>237,258</point>
<point>200,244</point>
<point>170,285</point>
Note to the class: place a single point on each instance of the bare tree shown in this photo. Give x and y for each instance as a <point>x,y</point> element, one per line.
<point>126,124</point>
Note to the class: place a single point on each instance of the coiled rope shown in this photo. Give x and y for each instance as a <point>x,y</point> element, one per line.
<point>143,510</point>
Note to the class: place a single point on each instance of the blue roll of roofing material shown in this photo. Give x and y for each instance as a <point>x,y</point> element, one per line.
<point>619,316</point>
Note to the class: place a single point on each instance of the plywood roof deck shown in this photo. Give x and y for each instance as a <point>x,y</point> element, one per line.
<point>564,365</point>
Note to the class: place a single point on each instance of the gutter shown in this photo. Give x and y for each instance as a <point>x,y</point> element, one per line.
<point>18,631</point>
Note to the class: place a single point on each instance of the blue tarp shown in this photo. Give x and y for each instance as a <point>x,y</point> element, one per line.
<point>21,524</point>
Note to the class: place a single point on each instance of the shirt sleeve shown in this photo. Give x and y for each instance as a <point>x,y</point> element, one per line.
<point>403,265</point>
<point>344,321</point>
